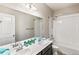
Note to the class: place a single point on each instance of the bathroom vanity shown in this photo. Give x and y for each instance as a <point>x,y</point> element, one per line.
<point>42,48</point>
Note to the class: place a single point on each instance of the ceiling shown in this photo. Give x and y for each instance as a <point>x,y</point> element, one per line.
<point>57,6</point>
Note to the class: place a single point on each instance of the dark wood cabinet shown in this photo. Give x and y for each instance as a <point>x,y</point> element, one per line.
<point>47,50</point>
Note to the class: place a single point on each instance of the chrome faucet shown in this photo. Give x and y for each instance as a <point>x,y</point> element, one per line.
<point>17,46</point>
<point>20,47</point>
<point>14,45</point>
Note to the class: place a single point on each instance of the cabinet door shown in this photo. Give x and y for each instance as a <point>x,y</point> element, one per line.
<point>7,29</point>
<point>49,51</point>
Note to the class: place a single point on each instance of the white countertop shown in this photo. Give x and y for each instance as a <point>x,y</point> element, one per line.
<point>31,50</point>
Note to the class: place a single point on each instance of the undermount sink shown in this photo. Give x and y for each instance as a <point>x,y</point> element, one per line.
<point>43,42</point>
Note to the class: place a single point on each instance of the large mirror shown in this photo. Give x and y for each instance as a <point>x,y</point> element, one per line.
<point>28,26</point>
<point>17,26</point>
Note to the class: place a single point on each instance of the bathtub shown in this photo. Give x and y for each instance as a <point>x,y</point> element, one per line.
<point>68,51</point>
<point>65,49</point>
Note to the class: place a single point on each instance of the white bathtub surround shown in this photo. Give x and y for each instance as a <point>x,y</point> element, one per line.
<point>66,33</point>
<point>66,49</point>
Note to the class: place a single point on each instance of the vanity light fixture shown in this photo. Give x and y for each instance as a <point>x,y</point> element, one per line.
<point>30,6</point>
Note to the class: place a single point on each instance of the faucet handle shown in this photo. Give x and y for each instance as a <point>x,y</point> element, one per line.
<point>19,47</point>
<point>14,45</point>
